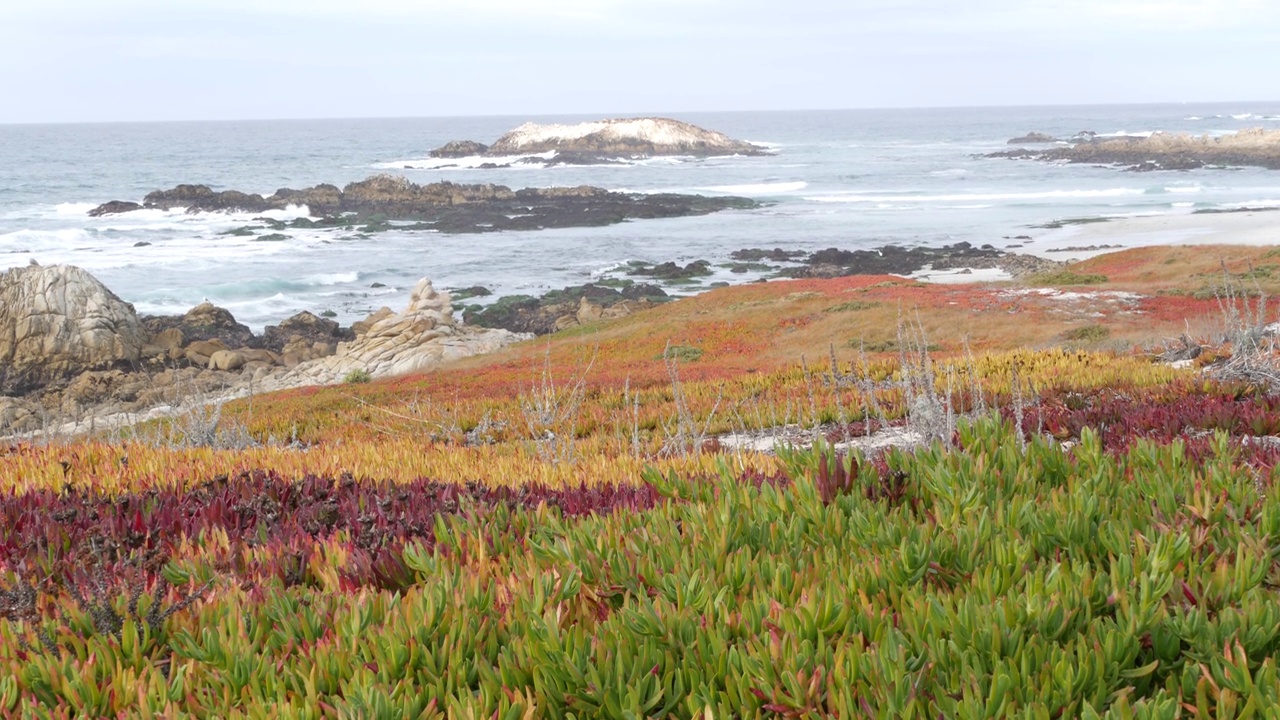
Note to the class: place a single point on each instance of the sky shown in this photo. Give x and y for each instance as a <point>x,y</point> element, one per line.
<point>129,60</point>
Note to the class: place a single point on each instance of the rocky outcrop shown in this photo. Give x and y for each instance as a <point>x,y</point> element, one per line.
<point>203,322</point>
<point>422,337</point>
<point>1030,138</point>
<point>565,308</point>
<point>304,327</point>
<point>442,207</point>
<point>603,140</point>
<point>114,208</point>
<point>1162,151</point>
<point>58,321</point>
<point>459,149</point>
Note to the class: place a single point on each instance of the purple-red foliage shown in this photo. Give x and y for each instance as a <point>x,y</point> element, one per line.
<point>1191,415</point>
<point>51,537</point>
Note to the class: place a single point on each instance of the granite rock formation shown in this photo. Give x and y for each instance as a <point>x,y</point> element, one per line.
<point>57,321</point>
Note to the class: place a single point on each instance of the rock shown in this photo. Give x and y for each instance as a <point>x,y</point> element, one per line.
<point>168,338</point>
<point>114,207</point>
<point>57,321</point>
<point>226,360</point>
<point>306,326</point>
<point>360,327</point>
<point>1163,151</point>
<point>420,338</point>
<point>673,271</point>
<point>1034,137</point>
<point>588,311</point>
<point>372,204</point>
<point>197,198</point>
<point>622,137</point>
<point>16,416</point>
<point>564,322</point>
<point>200,352</point>
<point>323,199</point>
<point>265,357</point>
<point>525,314</point>
<point>205,321</point>
<point>459,149</point>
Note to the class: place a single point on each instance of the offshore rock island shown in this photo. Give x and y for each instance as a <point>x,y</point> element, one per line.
<point>444,206</point>
<point>601,141</point>
<point>1255,147</point>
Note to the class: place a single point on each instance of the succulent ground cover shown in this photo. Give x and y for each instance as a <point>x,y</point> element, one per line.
<point>558,530</point>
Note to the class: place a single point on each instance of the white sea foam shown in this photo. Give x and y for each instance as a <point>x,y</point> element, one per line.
<point>1124,133</point>
<point>765,188</point>
<point>71,208</point>
<point>976,197</point>
<point>471,162</point>
<point>331,278</point>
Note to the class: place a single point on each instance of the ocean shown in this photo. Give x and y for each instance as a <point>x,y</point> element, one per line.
<point>848,179</point>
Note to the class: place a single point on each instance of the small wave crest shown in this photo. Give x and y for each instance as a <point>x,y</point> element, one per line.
<point>765,188</point>
<point>977,197</point>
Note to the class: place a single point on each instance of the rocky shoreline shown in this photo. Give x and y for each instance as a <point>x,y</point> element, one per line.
<point>72,353</point>
<point>617,297</point>
<point>375,203</point>
<point>1255,147</point>
<point>71,350</point>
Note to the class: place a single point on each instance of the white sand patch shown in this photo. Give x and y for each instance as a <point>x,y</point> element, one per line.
<point>961,275</point>
<point>1235,228</point>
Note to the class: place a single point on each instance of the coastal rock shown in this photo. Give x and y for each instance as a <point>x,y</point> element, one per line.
<point>371,205</point>
<point>459,149</point>
<point>226,360</point>
<point>197,198</point>
<point>1255,147</point>
<point>114,207</point>
<point>16,416</point>
<point>625,137</point>
<point>420,338</point>
<point>200,353</point>
<point>361,327</point>
<point>564,308</point>
<point>205,321</point>
<point>395,196</point>
<point>1035,137</point>
<point>57,321</point>
<point>306,327</point>
<point>323,199</point>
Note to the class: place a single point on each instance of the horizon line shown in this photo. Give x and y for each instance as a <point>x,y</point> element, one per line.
<point>629,114</point>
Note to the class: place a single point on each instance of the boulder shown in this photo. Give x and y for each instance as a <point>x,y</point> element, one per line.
<point>114,207</point>
<point>1035,137</point>
<point>588,311</point>
<point>361,327</point>
<point>200,352</point>
<point>205,321</point>
<point>226,360</point>
<point>418,339</point>
<point>57,321</point>
<point>323,199</point>
<point>16,416</point>
<point>196,198</point>
<point>170,338</point>
<point>459,149</point>
<point>306,326</point>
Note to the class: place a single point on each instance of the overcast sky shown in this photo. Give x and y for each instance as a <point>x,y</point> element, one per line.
<point>107,60</point>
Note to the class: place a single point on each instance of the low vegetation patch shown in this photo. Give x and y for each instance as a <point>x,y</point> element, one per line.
<point>1065,277</point>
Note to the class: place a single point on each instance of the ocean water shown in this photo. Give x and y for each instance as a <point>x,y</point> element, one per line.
<point>849,179</point>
